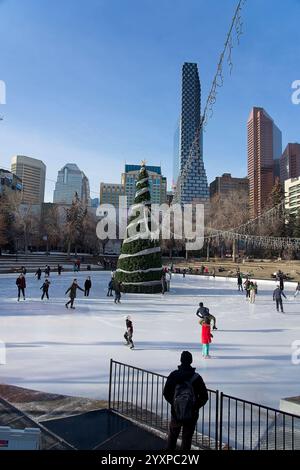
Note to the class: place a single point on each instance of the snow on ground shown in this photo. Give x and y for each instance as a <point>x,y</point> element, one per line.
<point>53,349</point>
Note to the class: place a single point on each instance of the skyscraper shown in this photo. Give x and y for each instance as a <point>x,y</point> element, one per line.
<point>264,150</point>
<point>193,181</point>
<point>290,162</point>
<point>71,180</point>
<point>33,174</point>
<point>157,183</point>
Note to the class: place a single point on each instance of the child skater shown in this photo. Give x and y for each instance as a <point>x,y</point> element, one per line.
<point>129,332</point>
<point>205,337</point>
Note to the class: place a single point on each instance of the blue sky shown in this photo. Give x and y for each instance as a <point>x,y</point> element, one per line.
<point>97,82</point>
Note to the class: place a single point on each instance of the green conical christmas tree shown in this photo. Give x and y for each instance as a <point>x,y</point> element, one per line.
<point>139,265</point>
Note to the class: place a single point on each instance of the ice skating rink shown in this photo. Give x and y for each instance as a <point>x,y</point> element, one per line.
<point>53,349</point>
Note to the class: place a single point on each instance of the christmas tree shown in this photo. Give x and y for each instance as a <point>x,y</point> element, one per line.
<point>139,265</point>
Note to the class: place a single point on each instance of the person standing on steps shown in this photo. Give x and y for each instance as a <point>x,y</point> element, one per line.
<point>21,284</point>
<point>87,286</point>
<point>277,296</point>
<point>186,393</point>
<point>129,332</point>
<point>38,274</point>
<point>45,288</point>
<point>72,293</point>
<point>203,312</point>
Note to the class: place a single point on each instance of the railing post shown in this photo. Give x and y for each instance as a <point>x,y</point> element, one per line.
<point>221,421</point>
<point>110,380</point>
<point>217,421</point>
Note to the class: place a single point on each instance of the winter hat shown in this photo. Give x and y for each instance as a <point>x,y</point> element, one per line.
<point>186,358</point>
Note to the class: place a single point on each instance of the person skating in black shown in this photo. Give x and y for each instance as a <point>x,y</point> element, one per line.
<point>118,289</point>
<point>129,332</point>
<point>38,274</point>
<point>21,284</point>
<point>277,296</point>
<point>59,269</point>
<point>47,271</point>
<point>247,288</point>
<point>72,293</point>
<point>110,288</point>
<point>184,377</point>
<point>203,312</point>
<point>240,282</point>
<point>87,286</point>
<point>45,288</point>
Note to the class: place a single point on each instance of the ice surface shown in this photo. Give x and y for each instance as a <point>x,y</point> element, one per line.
<point>53,349</point>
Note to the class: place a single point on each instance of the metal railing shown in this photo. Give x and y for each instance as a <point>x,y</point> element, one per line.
<point>225,422</point>
<point>138,394</point>
<point>250,426</point>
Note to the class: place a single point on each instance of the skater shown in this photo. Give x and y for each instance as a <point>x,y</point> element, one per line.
<point>186,393</point>
<point>21,284</point>
<point>203,312</point>
<point>24,270</point>
<point>205,337</point>
<point>45,288</point>
<point>214,272</point>
<point>277,296</point>
<point>168,278</point>
<point>38,274</point>
<point>129,332</point>
<point>183,272</point>
<point>240,282</point>
<point>73,289</point>
<point>59,269</point>
<point>47,271</point>
<point>163,283</point>
<point>281,282</point>
<point>247,288</point>
<point>117,289</point>
<point>87,286</point>
<point>297,289</point>
<point>110,288</point>
<point>252,293</point>
<point>255,287</point>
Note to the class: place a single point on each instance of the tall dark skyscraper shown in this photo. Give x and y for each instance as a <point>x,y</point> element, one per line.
<point>193,183</point>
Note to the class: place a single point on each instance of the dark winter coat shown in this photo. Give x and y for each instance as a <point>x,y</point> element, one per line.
<point>45,286</point>
<point>111,284</point>
<point>72,289</point>
<point>88,284</point>
<point>202,312</point>
<point>21,282</point>
<point>116,287</point>
<point>278,293</point>
<point>239,280</point>
<point>129,326</point>
<point>179,376</point>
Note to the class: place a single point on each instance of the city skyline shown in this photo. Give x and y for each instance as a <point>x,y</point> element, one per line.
<point>87,113</point>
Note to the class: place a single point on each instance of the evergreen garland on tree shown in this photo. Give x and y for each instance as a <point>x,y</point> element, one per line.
<point>139,266</point>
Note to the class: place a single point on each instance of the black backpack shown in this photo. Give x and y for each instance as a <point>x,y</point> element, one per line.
<point>184,400</point>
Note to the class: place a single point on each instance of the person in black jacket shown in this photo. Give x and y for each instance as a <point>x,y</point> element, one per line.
<point>72,293</point>
<point>45,288</point>
<point>87,286</point>
<point>184,373</point>
<point>38,274</point>
<point>277,296</point>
